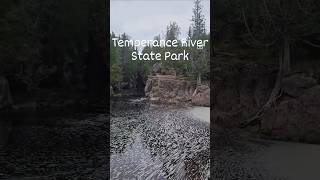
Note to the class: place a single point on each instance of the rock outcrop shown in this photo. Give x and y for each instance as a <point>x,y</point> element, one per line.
<point>172,90</point>
<point>240,89</point>
<point>295,118</point>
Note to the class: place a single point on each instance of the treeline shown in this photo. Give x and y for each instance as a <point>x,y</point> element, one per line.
<point>284,31</point>
<point>281,27</point>
<point>54,44</point>
<point>126,73</point>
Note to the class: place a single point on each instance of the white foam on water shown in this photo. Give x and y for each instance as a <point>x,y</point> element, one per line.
<point>200,113</point>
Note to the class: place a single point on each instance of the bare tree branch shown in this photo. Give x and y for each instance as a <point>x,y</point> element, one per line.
<point>310,43</point>
<point>251,34</point>
<point>301,8</point>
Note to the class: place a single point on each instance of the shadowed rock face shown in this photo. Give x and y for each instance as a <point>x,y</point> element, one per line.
<point>240,89</point>
<point>296,118</point>
<point>169,89</point>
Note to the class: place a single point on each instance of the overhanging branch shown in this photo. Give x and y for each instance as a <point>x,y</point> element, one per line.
<point>251,34</point>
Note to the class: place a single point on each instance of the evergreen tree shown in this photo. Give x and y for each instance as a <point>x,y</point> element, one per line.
<point>200,59</point>
<point>173,31</point>
<point>116,74</point>
<point>198,20</point>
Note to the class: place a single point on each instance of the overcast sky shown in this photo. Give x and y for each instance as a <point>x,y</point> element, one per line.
<point>142,19</point>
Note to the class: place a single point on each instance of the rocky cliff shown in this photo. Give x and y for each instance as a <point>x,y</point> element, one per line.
<point>172,90</point>
<point>240,89</point>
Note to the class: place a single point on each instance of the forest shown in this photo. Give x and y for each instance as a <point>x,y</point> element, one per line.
<point>54,50</point>
<point>129,74</point>
<point>53,67</point>
<point>266,66</point>
<point>265,98</point>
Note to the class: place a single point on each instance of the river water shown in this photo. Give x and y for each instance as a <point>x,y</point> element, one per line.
<point>158,142</point>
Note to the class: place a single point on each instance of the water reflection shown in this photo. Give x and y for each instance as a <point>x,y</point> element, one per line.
<point>157,142</point>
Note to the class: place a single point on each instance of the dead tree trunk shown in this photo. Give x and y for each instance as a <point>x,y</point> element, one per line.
<point>5,94</point>
<point>199,79</point>
<point>5,104</point>
<point>284,69</point>
<point>286,56</point>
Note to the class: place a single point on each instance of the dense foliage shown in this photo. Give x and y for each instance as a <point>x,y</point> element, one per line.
<point>285,31</point>
<point>124,70</point>
<point>47,43</point>
<point>267,24</point>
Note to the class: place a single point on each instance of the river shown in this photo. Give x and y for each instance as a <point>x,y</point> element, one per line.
<point>158,141</point>
<point>147,142</point>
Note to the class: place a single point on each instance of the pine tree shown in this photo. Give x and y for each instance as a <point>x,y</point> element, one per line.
<point>198,20</point>
<point>173,31</point>
<point>196,32</point>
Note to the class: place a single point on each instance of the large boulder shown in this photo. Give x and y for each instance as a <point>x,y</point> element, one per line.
<point>294,85</point>
<point>296,119</point>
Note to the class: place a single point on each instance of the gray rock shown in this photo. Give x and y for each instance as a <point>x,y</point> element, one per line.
<point>295,84</point>
<point>296,119</point>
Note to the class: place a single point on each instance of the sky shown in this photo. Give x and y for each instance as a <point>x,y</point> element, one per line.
<point>144,19</point>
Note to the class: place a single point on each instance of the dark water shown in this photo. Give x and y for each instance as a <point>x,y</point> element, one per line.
<point>157,142</point>
<point>63,146</point>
